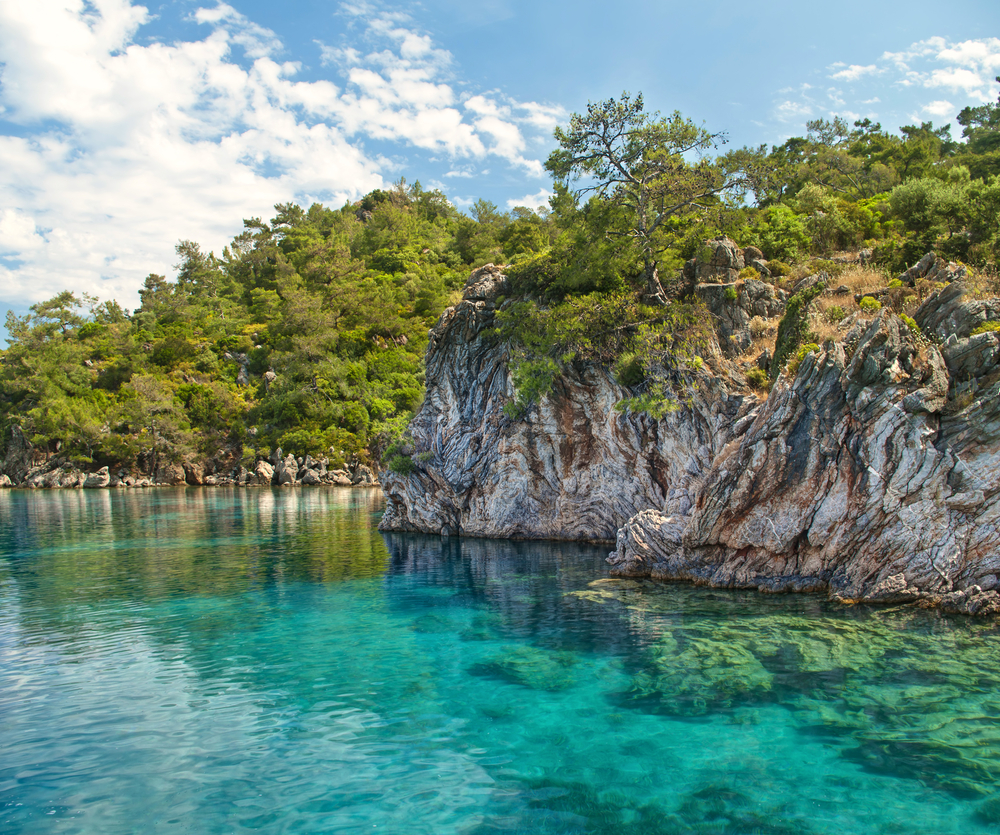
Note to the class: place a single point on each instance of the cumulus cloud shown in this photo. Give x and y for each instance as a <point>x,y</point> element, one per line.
<point>941,108</point>
<point>853,72</point>
<point>115,147</point>
<point>536,201</point>
<point>965,69</point>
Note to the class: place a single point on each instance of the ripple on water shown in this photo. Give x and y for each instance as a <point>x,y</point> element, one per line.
<point>225,661</point>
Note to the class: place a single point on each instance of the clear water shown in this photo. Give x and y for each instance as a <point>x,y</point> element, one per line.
<point>264,661</point>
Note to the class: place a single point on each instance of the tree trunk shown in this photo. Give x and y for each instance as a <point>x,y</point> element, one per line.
<point>652,293</point>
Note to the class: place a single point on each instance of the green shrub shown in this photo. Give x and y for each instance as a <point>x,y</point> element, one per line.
<point>801,354</point>
<point>987,327</point>
<point>895,283</point>
<point>731,294</point>
<point>834,314</point>
<point>912,325</point>
<point>749,272</point>
<point>793,329</point>
<point>401,464</point>
<point>757,379</point>
<point>870,305</point>
<point>424,457</point>
<point>778,268</point>
<point>628,370</point>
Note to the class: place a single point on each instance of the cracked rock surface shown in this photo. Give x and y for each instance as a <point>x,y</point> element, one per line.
<point>871,475</point>
<point>573,469</point>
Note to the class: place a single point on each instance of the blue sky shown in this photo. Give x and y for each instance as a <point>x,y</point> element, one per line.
<point>125,128</point>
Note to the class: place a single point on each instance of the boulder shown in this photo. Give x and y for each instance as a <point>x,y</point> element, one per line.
<point>194,472</point>
<point>719,261</point>
<point>98,480</point>
<point>364,476</point>
<point>310,477</point>
<point>946,312</point>
<point>486,284</point>
<point>732,306</point>
<point>341,477</point>
<point>933,268</point>
<point>287,470</point>
<point>5,481</point>
<point>264,472</point>
<point>172,474</point>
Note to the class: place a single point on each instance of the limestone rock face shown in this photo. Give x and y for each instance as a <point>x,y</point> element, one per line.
<point>732,307</point>
<point>574,468</point>
<point>862,476</point>
<point>19,458</point>
<point>946,313</point>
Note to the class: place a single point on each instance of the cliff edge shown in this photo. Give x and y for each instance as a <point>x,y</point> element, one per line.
<point>573,468</point>
<point>873,473</point>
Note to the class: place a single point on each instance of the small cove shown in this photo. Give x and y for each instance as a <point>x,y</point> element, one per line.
<point>220,661</point>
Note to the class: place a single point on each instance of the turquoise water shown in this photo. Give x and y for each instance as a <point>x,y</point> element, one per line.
<point>213,661</point>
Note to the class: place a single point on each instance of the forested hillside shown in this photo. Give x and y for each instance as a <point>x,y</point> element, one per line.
<point>308,331</point>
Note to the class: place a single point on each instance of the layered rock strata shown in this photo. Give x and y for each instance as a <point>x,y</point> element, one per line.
<point>574,468</point>
<point>874,475</point>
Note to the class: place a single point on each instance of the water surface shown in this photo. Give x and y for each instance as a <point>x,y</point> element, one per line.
<point>225,661</point>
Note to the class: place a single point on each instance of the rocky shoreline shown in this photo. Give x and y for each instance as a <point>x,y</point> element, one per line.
<point>873,473</point>
<point>20,470</point>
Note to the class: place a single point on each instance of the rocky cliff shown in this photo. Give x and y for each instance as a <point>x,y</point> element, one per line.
<point>574,468</point>
<point>873,474</point>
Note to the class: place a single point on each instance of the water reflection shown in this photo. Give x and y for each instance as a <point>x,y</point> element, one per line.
<point>264,660</point>
<point>76,545</point>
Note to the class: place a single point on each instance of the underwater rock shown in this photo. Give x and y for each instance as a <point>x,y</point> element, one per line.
<point>532,667</point>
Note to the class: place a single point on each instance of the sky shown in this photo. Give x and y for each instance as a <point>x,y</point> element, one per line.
<point>125,128</point>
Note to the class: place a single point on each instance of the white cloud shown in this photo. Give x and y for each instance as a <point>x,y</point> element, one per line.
<point>120,148</point>
<point>788,110</point>
<point>538,200</point>
<point>853,72</point>
<point>941,109</point>
<point>966,69</point>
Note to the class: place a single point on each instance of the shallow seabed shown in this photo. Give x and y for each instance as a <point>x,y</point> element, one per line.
<point>216,661</point>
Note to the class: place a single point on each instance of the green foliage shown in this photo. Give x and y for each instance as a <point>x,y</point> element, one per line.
<point>796,360</point>
<point>778,268</point>
<point>895,284</point>
<point>337,303</point>
<point>910,322</point>
<point>401,464</point>
<point>730,294</point>
<point>869,304</point>
<point>835,313</point>
<point>749,272</point>
<point>987,327</point>
<point>779,233</point>
<point>628,369</point>
<point>644,165</point>
<point>651,347</point>
<point>793,330</point>
<point>757,379</point>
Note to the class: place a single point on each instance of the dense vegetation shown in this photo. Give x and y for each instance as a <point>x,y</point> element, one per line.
<point>308,332</point>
